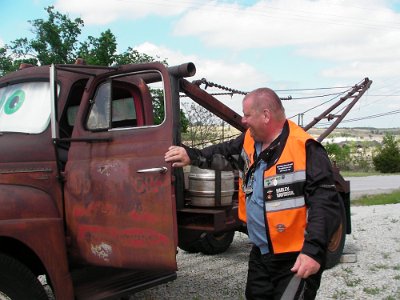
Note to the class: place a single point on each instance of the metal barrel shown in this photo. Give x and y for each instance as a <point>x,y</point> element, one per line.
<point>209,188</point>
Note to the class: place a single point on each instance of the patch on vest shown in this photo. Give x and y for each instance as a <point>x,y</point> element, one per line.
<point>284,192</point>
<point>285,168</point>
<point>280,227</point>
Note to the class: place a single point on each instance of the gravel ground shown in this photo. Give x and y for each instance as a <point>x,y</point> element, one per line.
<point>375,241</point>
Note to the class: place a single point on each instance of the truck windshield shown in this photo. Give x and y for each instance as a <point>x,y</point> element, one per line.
<point>25,107</point>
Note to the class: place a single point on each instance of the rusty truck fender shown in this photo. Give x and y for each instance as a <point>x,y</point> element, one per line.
<point>28,213</point>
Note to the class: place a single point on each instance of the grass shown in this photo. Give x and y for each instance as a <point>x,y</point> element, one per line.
<point>352,281</point>
<point>339,294</point>
<point>378,199</point>
<point>361,174</point>
<point>364,174</point>
<point>372,291</point>
<point>382,266</point>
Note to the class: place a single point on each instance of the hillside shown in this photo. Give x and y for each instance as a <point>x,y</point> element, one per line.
<point>355,134</point>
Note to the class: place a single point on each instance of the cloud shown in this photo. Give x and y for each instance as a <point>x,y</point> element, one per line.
<point>350,40</point>
<point>284,22</point>
<point>239,76</point>
<point>333,31</point>
<point>246,77</point>
<point>376,53</point>
<point>359,69</point>
<point>100,12</point>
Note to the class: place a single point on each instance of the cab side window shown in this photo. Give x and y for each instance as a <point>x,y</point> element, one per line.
<point>100,111</point>
<point>123,111</point>
<point>121,104</point>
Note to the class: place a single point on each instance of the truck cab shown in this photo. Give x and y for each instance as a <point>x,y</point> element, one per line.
<point>84,186</point>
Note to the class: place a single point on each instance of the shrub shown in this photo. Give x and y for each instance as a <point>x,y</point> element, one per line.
<point>387,159</point>
<point>339,154</point>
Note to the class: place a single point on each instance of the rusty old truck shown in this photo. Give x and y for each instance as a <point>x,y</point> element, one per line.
<point>89,209</point>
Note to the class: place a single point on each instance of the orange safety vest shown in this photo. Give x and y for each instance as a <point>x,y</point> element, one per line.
<point>284,202</point>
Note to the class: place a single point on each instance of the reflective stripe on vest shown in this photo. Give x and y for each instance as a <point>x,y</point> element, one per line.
<point>277,205</point>
<point>285,178</point>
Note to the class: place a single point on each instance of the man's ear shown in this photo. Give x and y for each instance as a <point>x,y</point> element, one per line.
<point>267,114</point>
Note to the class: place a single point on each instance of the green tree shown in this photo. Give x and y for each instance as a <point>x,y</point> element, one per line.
<point>339,154</point>
<point>361,159</point>
<point>387,159</point>
<point>55,40</point>
<point>6,62</point>
<point>99,51</point>
<point>158,110</point>
<point>133,56</point>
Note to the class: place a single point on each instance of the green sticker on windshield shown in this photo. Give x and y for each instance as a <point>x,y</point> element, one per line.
<point>14,102</point>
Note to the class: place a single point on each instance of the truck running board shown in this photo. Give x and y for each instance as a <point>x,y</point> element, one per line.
<point>97,283</point>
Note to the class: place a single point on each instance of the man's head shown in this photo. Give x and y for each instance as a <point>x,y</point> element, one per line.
<point>263,114</point>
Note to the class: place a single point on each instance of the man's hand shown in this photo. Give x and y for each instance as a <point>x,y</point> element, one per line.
<point>178,156</point>
<point>305,266</point>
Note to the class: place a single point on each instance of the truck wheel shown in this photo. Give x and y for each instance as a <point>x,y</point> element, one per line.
<point>191,247</point>
<point>18,282</point>
<point>212,243</point>
<point>189,241</point>
<point>336,245</point>
<point>208,243</point>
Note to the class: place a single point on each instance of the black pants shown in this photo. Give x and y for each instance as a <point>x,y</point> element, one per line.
<point>268,275</point>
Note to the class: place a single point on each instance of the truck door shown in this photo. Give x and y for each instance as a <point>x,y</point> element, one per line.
<point>120,207</point>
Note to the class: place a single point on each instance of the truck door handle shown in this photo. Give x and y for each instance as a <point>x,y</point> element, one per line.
<point>161,170</point>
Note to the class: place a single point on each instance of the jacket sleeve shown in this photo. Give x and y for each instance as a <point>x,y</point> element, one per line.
<point>223,156</point>
<point>322,201</point>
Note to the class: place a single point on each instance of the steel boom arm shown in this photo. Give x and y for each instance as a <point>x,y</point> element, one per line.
<point>212,104</point>
<point>356,92</point>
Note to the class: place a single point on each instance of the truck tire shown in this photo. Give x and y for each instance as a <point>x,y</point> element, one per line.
<point>336,245</point>
<point>191,247</point>
<point>189,240</point>
<point>213,243</point>
<point>18,282</point>
<point>209,243</point>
